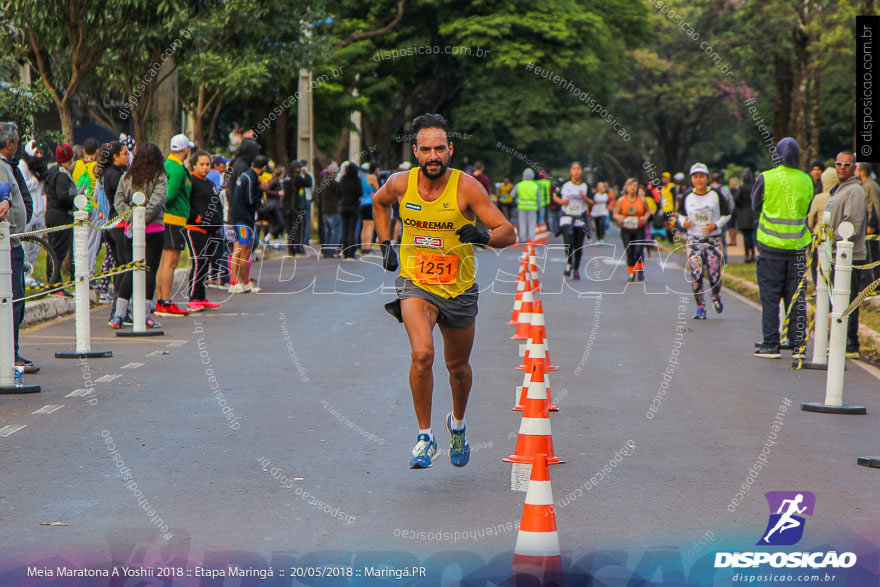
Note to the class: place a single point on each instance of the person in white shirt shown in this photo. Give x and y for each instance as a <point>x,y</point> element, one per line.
<point>33,168</point>
<point>599,211</point>
<point>703,212</point>
<point>574,223</point>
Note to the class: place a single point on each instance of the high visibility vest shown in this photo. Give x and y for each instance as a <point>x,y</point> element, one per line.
<point>544,186</point>
<point>783,221</point>
<point>527,195</point>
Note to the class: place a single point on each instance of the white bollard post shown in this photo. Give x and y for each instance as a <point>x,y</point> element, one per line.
<point>7,341</point>
<point>139,276</point>
<point>837,354</point>
<point>823,306</point>
<point>81,287</point>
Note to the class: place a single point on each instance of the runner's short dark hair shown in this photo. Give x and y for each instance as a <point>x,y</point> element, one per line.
<point>430,121</point>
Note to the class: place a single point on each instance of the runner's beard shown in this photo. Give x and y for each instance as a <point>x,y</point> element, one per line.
<point>435,175</point>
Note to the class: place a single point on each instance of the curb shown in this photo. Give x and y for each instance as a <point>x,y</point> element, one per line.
<point>746,287</point>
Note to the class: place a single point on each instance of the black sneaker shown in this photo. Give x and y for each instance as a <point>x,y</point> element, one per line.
<point>128,320</point>
<point>768,351</point>
<point>853,354</point>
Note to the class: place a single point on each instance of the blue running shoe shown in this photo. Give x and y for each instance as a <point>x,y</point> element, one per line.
<point>423,453</point>
<point>459,449</point>
<point>701,313</point>
<point>716,303</point>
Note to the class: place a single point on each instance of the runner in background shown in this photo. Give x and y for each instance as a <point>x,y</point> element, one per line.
<point>599,211</point>
<point>632,212</point>
<point>574,222</point>
<point>505,198</point>
<point>704,213</point>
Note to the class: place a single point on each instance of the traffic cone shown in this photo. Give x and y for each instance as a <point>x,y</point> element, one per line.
<point>536,554</point>
<point>536,366</point>
<point>537,336</point>
<point>533,268</point>
<point>520,392</point>
<point>516,243</point>
<point>517,301</point>
<point>534,431</point>
<point>524,320</point>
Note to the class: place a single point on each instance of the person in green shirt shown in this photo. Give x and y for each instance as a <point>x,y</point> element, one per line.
<point>176,214</point>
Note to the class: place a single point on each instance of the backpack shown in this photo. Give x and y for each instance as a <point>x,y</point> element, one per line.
<point>101,200</point>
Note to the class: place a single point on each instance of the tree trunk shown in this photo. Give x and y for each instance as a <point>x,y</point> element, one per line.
<point>66,112</point>
<point>212,132</point>
<point>782,101</point>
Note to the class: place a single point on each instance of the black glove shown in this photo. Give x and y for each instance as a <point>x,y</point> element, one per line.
<point>471,234</point>
<point>389,256</point>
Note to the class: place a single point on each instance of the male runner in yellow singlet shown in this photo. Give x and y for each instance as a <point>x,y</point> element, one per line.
<point>436,285</point>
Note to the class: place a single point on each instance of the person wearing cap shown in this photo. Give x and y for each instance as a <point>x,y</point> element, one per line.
<point>176,213</point>
<point>781,197</point>
<point>218,266</point>
<point>527,194</point>
<point>60,191</point>
<point>218,168</point>
<point>703,213</point>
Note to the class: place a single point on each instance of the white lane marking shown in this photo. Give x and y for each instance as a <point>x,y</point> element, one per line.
<point>108,377</point>
<point>48,409</point>
<point>132,365</point>
<point>77,393</point>
<point>178,343</point>
<point>157,353</point>
<point>7,430</point>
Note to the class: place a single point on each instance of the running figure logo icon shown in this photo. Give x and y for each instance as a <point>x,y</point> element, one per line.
<point>786,526</point>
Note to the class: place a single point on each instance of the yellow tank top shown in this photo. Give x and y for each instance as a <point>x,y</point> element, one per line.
<point>431,255</point>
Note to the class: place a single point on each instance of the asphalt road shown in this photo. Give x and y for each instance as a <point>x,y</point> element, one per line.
<point>315,410</point>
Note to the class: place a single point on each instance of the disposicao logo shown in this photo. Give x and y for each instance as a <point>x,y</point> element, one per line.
<point>786,528</point>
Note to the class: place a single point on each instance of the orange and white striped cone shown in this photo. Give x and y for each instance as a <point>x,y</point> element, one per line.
<point>533,269</point>
<point>524,320</point>
<point>516,243</point>
<point>521,286</point>
<point>537,336</point>
<point>537,554</point>
<point>541,327</point>
<point>535,436</point>
<point>542,235</point>
<point>521,404</point>
<point>536,365</point>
